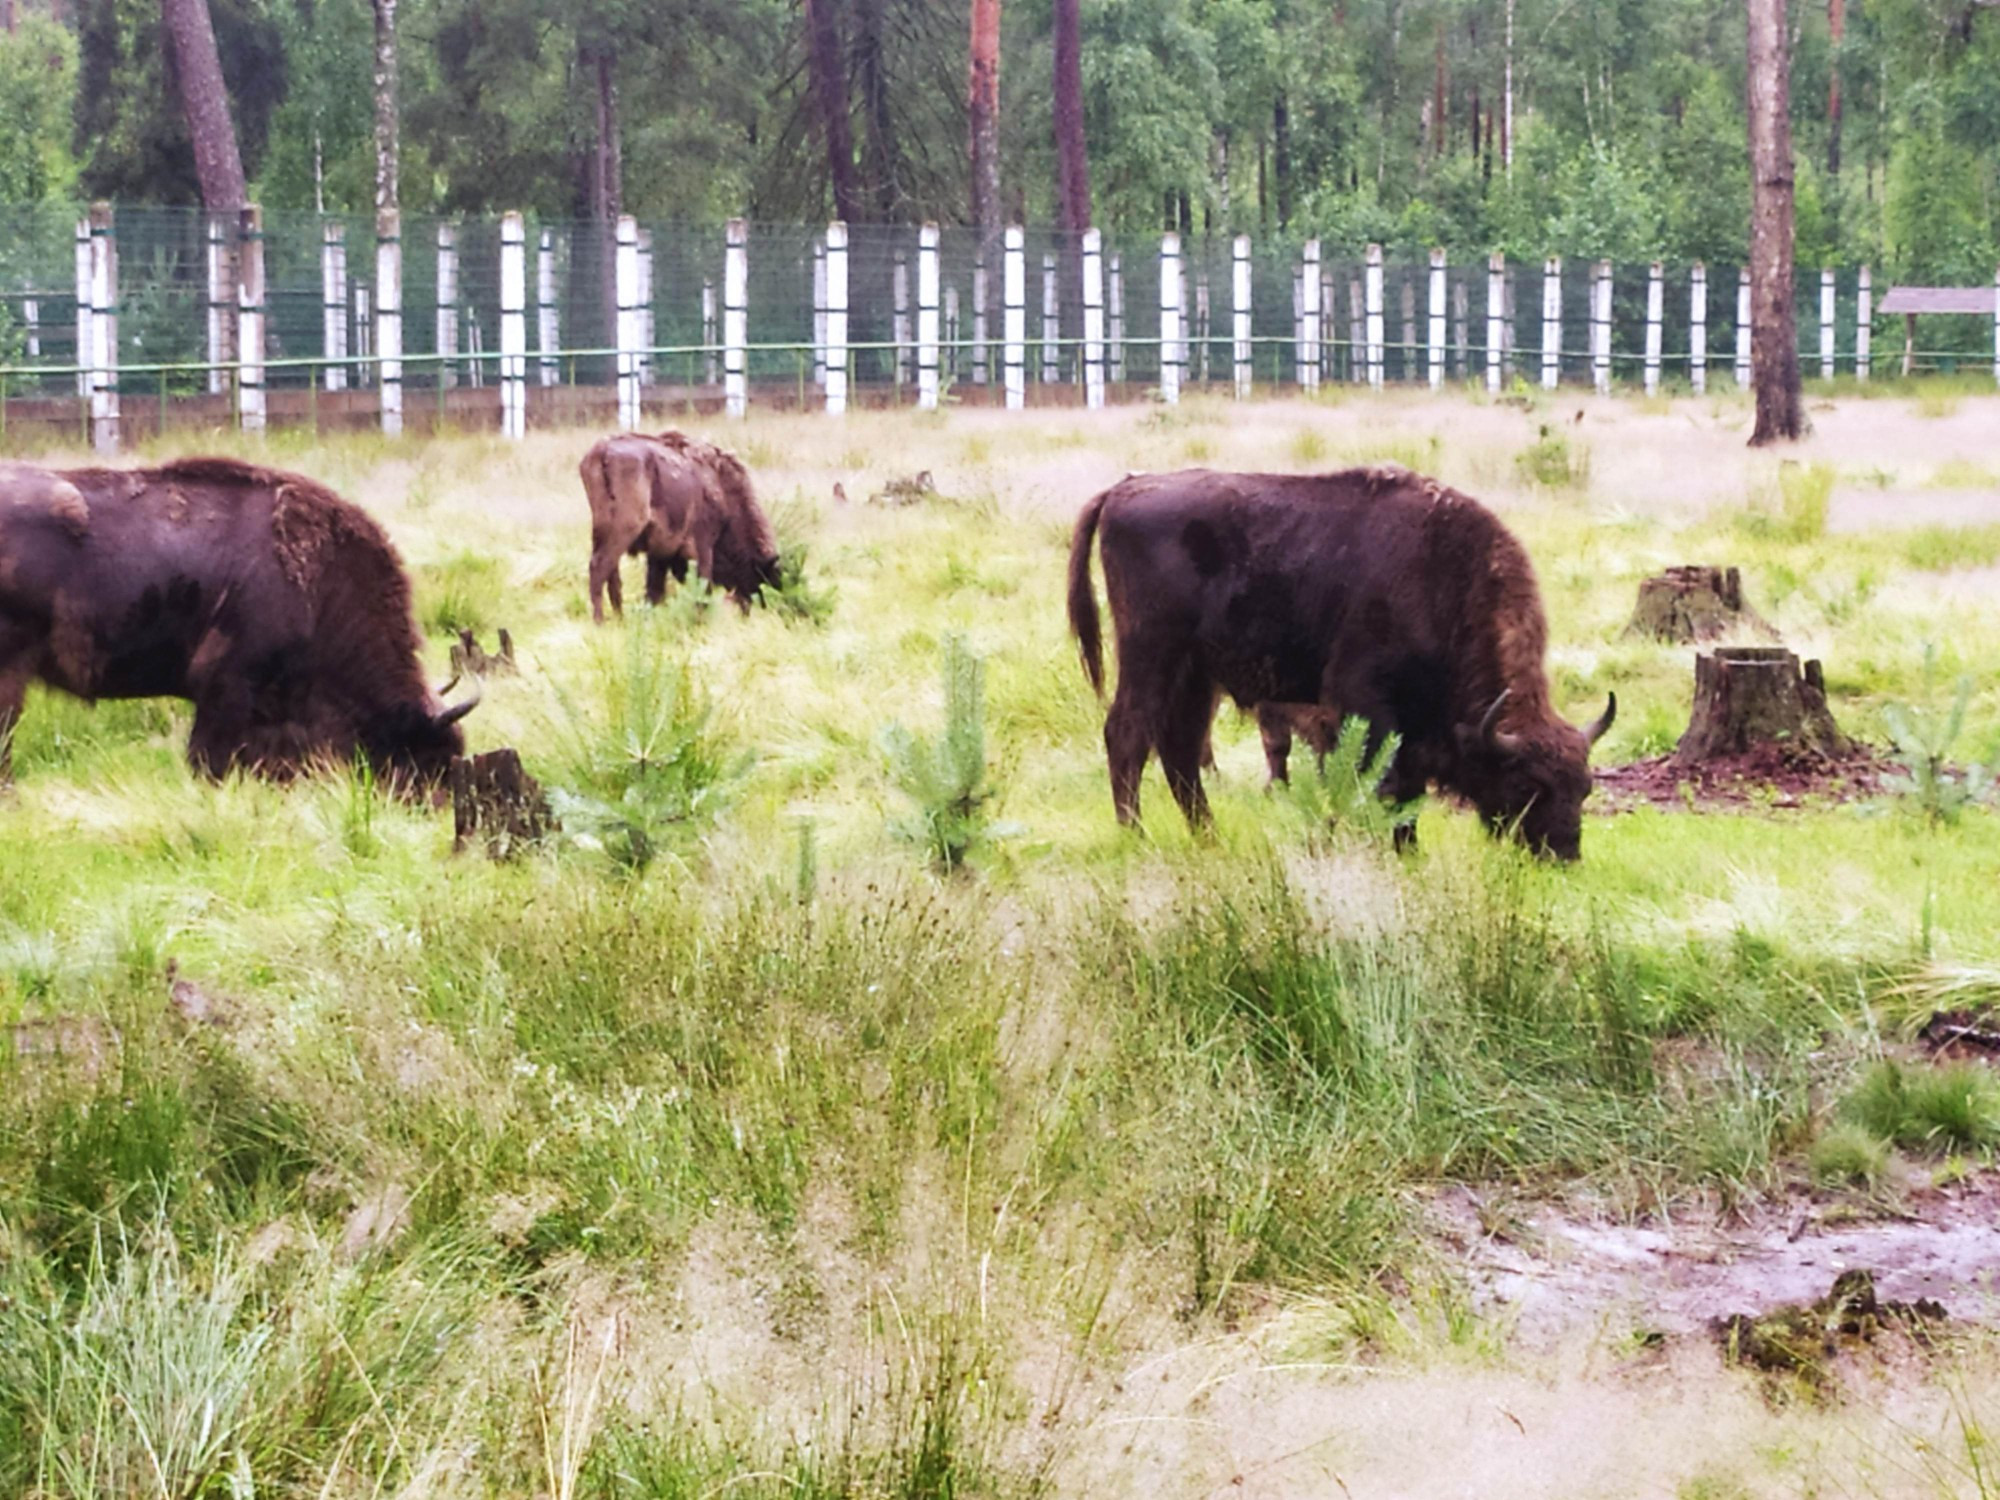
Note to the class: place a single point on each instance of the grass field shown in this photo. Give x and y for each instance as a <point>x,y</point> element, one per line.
<point>727,1146</point>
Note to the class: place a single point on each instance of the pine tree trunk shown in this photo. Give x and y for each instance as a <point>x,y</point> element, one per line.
<point>607,182</point>
<point>1774,345</point>
<point>1073,161</point>
<point>1281,158</point>
<point>827,68</point>
<point>388,132</point>
<point>881,161</point>
<point>983,116</point>
<point>1836,28</point>
<point>1507,98</point>
<point>205,103</point>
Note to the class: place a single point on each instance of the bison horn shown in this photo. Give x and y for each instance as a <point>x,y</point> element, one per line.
<point>1595,730</point>
<point>448,716</point>
<point>1492,736</point>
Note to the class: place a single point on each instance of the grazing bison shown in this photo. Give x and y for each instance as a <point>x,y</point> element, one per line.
<point>677,501</point>
<point>278,609</point>
<point>1373,592</point>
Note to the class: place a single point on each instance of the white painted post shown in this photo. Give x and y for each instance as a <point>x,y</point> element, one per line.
<point>364,336</point>
<point>1655,312</point>
<point>1240,306</point>
<point>1743,329</point>
<point>513,326</point>
<point>1438,315</point>
<point>447,305</point>
<point>1408,361</point>
<point>1298,327</point>
<point>1051,322</point>
<point>1996,325</point>
<point>952,331</point>
<point>1373,274</point>
<point>85,346</point>
<point>900,284</point>
<point>927,318</point>
<point>819,312</point>
<point>548,314</point>
<point>1170,317</point>
<point>31,317</point>
<point>104,329</point>
<point>1826,316</point>
<point>625,335</point>
<point>1117,294</point>
<point>1357,332</point>
<point>1698,328</point>
<point>1552,308</point>
<point>221,297</point>
<point>1600,327</point>
<point>1864,321</point>
<point>1496,318</point>
<point>475,347</point>
<point>711,341</point>
<point>250,321</point>
<point>648,322</point>
<point>1093,318</point>
<point>1309,313</point>
<point>1201,327</point>
<point>836,319</point>
<point>736,319</point>
<point>1461,317</point>
<point>389,317</point>
<point>333,303</point>
<point>1014,318</point>
<point>981,299</point>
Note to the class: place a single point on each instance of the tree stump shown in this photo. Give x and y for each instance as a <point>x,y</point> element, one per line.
<point>469,657</point>
<point>1697,603</point>
<point>1750,696</point>
<point>495,801</point>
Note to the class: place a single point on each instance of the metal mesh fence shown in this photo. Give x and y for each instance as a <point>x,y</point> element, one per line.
<point>323,324</point>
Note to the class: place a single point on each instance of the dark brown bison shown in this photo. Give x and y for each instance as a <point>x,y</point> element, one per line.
<point>278,609</point>
<point>1373,592</point>
<point>677,500</point>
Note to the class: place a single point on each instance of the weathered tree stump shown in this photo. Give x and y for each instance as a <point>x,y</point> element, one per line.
<point>468,656</point>
<point>495,801</point>
<point>1694,604</point>
<point>1750,696</point>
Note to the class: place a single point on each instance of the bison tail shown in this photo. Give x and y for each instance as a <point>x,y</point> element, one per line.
<point>1082,597</point>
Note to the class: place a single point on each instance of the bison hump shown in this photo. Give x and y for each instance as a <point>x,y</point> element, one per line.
<point>27,487</point>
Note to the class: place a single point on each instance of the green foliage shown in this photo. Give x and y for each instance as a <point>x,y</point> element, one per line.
<point>1341,794</point>
<point>1551,461</point>
<point>1849,1155</point>
<point>1804,495</point>
<point>1923,736</point>
<point>465,591</point>
<point>946,779</point>
<point>37,95</point>
<point>1953,1106</point>
<point>636,767</point>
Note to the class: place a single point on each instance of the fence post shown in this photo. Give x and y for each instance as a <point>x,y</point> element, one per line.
<point>710,341</point>
<point>736,318</point>
<point>1116,295</point>
<point>1600,327</point>
<point>1051,322</point>
<point>389,317</point>
<point>1240,307</point>
<point>1438,315</point>
<point>1743,329</point>
<point>1864,321</point>
<point>1409,342</point>
<point>1496,313</point>
<point>221,301</point>
<point>1996,325</point>
<point>1698,328</point>
<point>1827,299</point>
<point>103,329</point>
<point>625,333</point>
<point>513,326</point>
<point>1307,373</point>
<point>1014,318</point>
<point>1373,292</point>
<point>981,300</point>
<point>333,303</point>
<point>548,316</point>
<point>1655,313</point>
<point>1170,317</point>
<point>1552,307</point>
<point>899,318</point>
<point>250,321</point>
<point>927,318</point>
<point>1093,318</point>
<point>953,332</point>
<point>447,306</point>
<point>364,336</point>
<point>1202,326</point>
<point>85,345</point>
<point>819,311</point>
<point>836,318</point>
<point>31,316</point>
<point>648,323</point>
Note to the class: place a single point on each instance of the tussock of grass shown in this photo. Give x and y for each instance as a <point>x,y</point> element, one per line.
<point>1953,1105</point>
<point>1938,549</point>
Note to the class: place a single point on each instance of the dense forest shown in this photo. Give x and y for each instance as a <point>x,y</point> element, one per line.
<point>1589,127</point>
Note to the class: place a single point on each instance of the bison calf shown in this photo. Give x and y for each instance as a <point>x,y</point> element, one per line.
<point>1373,592</point>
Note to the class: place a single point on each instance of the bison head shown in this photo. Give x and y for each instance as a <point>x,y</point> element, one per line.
<point>1532,780</point>
<point>413,749</point>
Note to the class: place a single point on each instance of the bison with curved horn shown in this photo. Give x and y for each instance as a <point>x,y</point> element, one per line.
<point>1374,592</point>
<point>281,611</point>
<point>676,500</point>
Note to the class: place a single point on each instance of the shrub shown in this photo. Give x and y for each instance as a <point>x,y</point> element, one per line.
<point>1549,461</point>
<point>461,593</point>
<point>945,779</point>
<point>1343,793</point>
<point>1850,1154</point>
<point>1923,737</point>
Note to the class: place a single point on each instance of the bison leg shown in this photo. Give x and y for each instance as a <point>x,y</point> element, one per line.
<point>1183,731</point>
<point>656,577</point>
<point>605,558</point>
<point>1128,740</point>
<point>14,677</point>
<point>1274,728</point>
<point>219,738</point>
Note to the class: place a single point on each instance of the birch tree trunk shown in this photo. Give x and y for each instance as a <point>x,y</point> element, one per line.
<point>388,132</point>
<point>827,68</point>
<point>205,103</point>
<point>1774,345</point>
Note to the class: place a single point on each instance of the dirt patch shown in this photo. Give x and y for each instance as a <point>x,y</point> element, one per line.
<point>1766,776</point>
<point>1552,1272</point>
